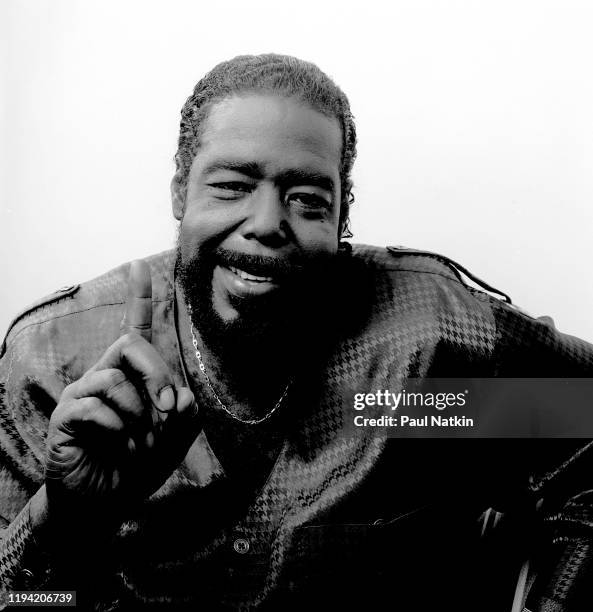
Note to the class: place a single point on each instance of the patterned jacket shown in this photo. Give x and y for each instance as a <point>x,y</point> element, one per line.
<point>335,518</point>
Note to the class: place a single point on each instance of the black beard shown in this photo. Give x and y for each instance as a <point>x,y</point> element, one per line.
<point>268,323</point>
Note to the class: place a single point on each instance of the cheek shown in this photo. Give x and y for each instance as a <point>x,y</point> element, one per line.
<point>320,238</point>
<point>202,223</point>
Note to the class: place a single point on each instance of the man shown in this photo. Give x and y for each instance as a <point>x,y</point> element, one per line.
<point>175,433</point>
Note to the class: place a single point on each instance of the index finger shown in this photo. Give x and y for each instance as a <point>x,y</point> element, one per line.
<point>138,317</point>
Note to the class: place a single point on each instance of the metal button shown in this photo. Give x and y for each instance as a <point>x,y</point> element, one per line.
<point>26,576</point>
<point>241,545</point>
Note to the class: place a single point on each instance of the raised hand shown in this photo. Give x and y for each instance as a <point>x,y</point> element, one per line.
<point>120,430</point>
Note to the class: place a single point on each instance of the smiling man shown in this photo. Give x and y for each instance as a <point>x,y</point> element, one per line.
<point>259,214</point>
<point>177,434</point>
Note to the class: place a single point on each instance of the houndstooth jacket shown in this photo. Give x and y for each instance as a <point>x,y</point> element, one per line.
<point>333,519</point>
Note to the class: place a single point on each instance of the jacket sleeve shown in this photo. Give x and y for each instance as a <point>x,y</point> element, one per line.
<point>29,389</point>
<point>23,564</point>
<point>47,348</point>
<point>561,470</point>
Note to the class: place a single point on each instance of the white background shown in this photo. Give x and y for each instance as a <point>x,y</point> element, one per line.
<point>475,124</point>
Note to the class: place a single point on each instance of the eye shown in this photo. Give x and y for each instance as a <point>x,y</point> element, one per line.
<point>232,186</point>
<point>310,201</point>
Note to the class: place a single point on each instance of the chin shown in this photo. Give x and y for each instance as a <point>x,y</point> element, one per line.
<point>225,314</point>
<point>227,326</point>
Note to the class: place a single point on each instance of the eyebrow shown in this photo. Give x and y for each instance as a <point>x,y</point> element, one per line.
<point>295,176</point>
<point>299,176</point>
<point>250,169</point>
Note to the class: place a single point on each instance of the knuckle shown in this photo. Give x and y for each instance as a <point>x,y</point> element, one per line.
<point>130,338</point>
<point>87,374</point>
<point>61,411</point>
<point>89,406</point>
<point>129,344</point>
<point>115,379</point>
<point>69,391</point>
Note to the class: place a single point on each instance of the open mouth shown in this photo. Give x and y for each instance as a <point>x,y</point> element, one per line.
<point>251,277</point>
<point>242,284</point>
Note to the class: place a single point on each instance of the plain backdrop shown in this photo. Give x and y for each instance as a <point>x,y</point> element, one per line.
<point>475,123</point>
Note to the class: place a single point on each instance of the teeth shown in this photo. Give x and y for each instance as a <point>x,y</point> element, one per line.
<point>246,276</point>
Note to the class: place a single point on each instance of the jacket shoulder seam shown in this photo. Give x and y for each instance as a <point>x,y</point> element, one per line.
<point>459,271</point>
<point>472,290</point>
<point>68,314</point>
<point>441,274</point>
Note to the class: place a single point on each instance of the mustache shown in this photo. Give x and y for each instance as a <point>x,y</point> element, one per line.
<point>262,265</point>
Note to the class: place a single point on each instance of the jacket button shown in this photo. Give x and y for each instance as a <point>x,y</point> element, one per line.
<point>26,576</point>
<point>241,546</point>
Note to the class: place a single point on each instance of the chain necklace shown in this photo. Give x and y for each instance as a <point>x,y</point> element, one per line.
<point>220,402</point>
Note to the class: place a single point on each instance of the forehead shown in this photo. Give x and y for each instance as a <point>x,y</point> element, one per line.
<point>270,130</point>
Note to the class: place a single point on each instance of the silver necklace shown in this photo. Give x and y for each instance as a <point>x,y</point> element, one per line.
<point>220,402</point>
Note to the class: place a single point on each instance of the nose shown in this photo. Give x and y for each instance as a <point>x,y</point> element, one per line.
<point>267,221</point>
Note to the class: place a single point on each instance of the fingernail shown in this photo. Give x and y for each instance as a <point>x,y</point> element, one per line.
<point>166,400</point>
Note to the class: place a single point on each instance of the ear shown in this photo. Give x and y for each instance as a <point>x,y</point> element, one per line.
<point>345,205</point>
<point>177,197</point>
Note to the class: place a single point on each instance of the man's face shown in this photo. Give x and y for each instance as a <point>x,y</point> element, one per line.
<point>262,208</point>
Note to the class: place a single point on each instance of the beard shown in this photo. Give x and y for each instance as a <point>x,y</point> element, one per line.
<point>267,322</point>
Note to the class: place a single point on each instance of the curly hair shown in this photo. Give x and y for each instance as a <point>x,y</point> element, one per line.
<point>281,74</point>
